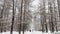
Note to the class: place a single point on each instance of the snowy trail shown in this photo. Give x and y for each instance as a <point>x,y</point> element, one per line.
<point>27,32</point>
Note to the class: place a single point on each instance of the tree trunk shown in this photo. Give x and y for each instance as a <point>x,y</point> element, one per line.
<point>12,19</point>
<point>2,17</point>
<point>21,17</point>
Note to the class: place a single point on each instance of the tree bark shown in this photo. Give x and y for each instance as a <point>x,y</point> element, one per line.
<point>12,19</point>
<point>21,17</point>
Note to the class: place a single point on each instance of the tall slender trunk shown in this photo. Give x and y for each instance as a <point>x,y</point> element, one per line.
<point>12,19</point>
<point>44,14</point>
<point>58,15</point>
<point>24,22</point>
<point>51,11</point>
<point>2,17</point>
<point>21,17</point>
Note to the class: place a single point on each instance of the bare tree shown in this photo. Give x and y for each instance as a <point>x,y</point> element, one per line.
<point>2,16</point>
<point>12,19</point>
<point>21,17</point>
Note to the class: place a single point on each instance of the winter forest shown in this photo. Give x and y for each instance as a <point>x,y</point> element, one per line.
<point>29,15</point>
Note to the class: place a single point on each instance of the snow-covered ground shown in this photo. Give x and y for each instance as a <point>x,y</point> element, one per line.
<point>27,32</point>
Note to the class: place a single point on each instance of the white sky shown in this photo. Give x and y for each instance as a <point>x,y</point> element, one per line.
<point>35,4</point>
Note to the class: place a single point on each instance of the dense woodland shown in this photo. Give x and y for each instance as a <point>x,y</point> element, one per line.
<point>29,15</point>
